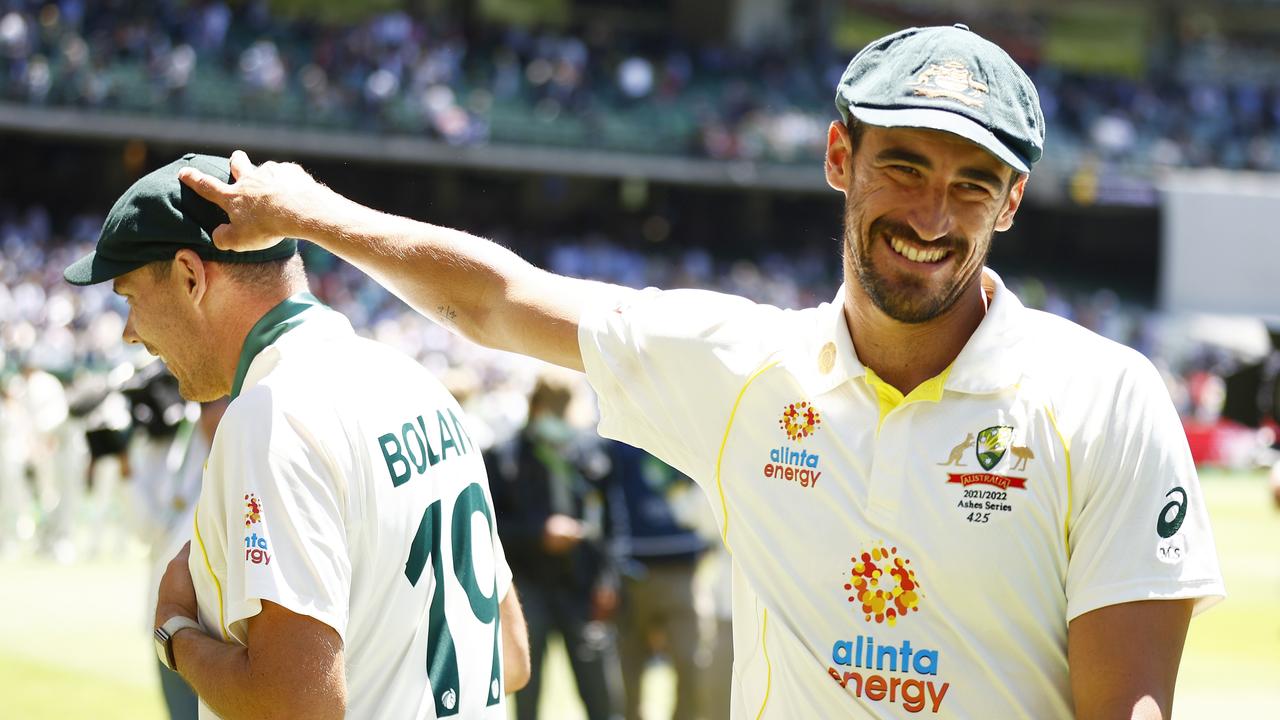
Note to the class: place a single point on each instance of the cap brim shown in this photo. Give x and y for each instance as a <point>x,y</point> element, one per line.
<point>93,269</point>
<point>941,120</point>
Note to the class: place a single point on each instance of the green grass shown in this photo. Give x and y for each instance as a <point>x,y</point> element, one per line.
<point>74,639</point>
<point>1231,665</point>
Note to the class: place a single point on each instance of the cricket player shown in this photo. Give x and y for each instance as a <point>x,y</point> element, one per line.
<point>938,502</point>
<point>344,560</point>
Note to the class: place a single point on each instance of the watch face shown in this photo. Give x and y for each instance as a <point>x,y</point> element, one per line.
<point>162,647</point>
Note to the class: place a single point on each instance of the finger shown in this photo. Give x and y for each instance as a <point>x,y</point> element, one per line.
<point>206,186</point>
<point>240,164</point>
<point>224,237</point>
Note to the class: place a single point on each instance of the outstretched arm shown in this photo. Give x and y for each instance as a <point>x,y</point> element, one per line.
<point>470,285</point>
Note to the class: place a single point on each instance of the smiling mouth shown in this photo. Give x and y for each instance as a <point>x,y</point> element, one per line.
<point>916,255</point>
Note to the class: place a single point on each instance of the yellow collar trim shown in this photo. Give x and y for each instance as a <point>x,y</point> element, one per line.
<point>890,397</point>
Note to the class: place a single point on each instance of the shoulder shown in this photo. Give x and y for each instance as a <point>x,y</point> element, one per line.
<point>1100,391</point>
<point>675,323</point>
<point>1056,347</point>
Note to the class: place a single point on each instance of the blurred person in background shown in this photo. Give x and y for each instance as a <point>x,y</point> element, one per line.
<point>658,556</point>
<point>167,469</point>
<point>16,521</point>
<point>546,493</point>
<point>57,457</point>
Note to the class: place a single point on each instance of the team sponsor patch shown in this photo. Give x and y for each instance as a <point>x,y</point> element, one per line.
<point>1171,548</point>
<point>884,587</point>
<point>793,463</point>
<point>800,420</point>
<point>987,492</point>
<point>256,550</point>
<point>252,509</point>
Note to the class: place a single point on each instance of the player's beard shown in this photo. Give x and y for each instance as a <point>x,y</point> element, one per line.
<point>904,297</point>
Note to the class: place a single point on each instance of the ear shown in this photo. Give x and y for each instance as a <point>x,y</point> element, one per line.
<point>1005,221</point>
<point>191,273</point>
<point>839,160</point>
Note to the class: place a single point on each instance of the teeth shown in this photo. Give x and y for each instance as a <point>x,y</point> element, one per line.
<point>915,255</point>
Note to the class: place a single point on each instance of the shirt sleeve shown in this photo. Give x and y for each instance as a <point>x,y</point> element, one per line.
<point>667,366</point>
<point>286,511</point>
<point>1139,529</point>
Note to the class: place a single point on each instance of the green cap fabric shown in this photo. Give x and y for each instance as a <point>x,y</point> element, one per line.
<point>158,216</point>
<point>949,79</point>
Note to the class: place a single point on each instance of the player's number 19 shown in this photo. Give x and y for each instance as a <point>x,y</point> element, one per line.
<point>442,656</point>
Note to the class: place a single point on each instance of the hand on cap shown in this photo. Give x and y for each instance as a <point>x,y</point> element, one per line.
<point>265,204</point>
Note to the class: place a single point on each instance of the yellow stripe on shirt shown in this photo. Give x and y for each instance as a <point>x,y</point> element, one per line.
<point>768,666</point>
<point>222,622</point>
<point>733,413</point>
<point>1066,451</point>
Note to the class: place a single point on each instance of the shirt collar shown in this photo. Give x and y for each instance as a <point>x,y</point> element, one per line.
<point>992,359</point>
<point>824,358</point>
<point>270,327</point>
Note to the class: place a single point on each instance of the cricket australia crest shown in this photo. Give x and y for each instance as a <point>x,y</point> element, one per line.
<point>992,445</point>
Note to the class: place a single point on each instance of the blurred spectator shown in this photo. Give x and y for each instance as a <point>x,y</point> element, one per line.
<point>168,466</point>
<point>1211,103</point>
<point>658,556</point>
<point>551,520</point>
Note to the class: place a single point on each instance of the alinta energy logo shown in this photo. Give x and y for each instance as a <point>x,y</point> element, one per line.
<point>252,509</point>
<point>800,420</point>
<point>255,545</point>
<point>884,587</point>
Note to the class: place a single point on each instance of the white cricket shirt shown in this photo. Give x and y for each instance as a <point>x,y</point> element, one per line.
<point>343,484</point>
<point>919,556</point>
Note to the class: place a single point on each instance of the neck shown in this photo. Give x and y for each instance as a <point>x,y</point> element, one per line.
<point>241,313</point>
<point>907,354</point>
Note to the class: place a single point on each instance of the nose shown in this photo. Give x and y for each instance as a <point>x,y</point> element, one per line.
<point>930,217</point>
<point>129,335</point>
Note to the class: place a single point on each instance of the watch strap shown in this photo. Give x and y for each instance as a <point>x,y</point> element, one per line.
<point>164,638</point>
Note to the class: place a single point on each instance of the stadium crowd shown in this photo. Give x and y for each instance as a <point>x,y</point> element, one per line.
<point>595,87</point>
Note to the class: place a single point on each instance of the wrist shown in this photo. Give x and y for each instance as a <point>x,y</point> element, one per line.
<point>169,611</point>
<point>164,636</point>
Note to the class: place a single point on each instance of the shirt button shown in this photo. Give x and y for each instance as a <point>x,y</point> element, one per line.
<point>827,358</point>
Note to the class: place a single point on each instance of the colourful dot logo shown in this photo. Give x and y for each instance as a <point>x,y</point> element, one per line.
<point>800,420</point>
<point>884,585</point>
<point>253,510</point>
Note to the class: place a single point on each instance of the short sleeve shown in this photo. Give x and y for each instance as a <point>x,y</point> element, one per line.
<point>667,366</point>
<point>1139,529</point>
<point>285,506</point>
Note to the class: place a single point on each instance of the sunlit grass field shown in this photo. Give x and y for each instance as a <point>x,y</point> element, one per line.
<point>74,640</point>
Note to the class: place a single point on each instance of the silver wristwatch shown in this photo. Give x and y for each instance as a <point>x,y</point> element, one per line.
<point>164,638</point>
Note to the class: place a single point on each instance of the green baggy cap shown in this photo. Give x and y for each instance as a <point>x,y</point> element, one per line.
<point>949,79</point>
<point>156,217</point>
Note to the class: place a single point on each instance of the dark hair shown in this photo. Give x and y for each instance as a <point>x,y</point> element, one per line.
<point>266,273</point>
<point>856,128</point>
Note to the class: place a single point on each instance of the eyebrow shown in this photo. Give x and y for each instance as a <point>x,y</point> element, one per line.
<point>970,173</point>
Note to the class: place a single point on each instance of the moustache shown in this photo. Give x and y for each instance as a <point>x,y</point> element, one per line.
<point>903,231</point>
